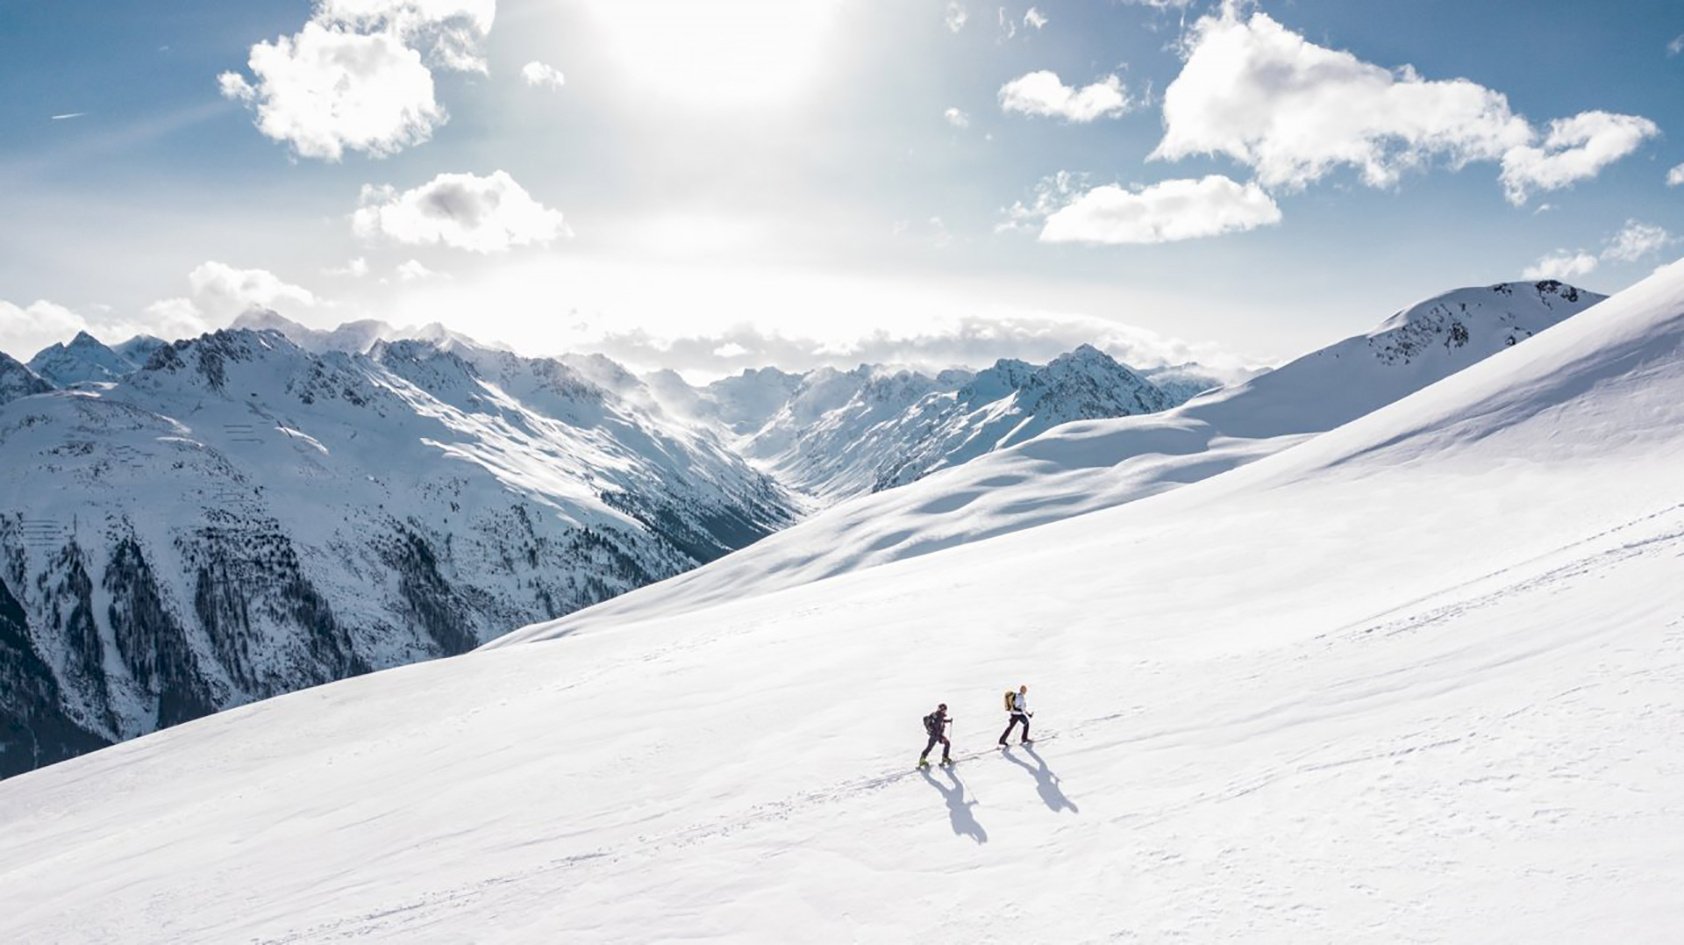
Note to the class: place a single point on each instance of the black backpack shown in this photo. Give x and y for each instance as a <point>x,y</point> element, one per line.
<point>932,723</point>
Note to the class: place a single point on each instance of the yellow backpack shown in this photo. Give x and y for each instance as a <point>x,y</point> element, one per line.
<point>1011,701</point>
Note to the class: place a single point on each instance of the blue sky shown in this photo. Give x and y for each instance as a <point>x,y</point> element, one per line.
<point>715,185</point>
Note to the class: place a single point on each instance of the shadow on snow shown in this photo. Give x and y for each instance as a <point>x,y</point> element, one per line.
<point>1046,783</point>
<point>958,808</point>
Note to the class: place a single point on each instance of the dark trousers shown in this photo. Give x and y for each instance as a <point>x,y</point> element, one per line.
<point>946,747</point>
<point>1016,718</point>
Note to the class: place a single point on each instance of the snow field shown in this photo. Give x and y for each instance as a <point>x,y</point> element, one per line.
<point>1412,680</point>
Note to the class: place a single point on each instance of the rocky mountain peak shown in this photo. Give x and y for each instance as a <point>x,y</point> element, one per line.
<point>84,358</point>
<point>17,380</point>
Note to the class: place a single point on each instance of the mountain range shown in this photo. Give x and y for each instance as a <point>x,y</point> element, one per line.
<point>1085,466</point>
<point>1413,677</point>
<point>241,518</point>
<point>193,525</point>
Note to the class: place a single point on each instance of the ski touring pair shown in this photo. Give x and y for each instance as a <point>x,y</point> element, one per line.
<point>936,723</point>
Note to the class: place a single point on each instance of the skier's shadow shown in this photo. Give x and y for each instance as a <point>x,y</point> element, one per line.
<point>1046,783</point>
<point>958,808</point>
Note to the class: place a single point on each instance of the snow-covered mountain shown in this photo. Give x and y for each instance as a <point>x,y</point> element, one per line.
<point>834,434</point>
<point>586,482</point>
<point>358,337</point>
<point>1415,678</point>
<point>1182,382</point>
<point>242,518</point>
<point>85,358</point>
<point>17,380</point>
<point>831,433</point>
<point>1085,466</point>
<point>275,506</point>
<point>139,349</point>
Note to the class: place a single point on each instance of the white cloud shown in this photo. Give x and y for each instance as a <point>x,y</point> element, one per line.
<point>1675,177</point>
<point>1561,264</point>
<point>26,330</point>
<point>489,214</point>
<point>1676,46</point>
<point>328,89</point>
<point>220,292</point>
<point>450,30</point>
<point>355,268</point>
<point>1575,149</point>
<point>1165,212</point>
<point>413,271</point>
<point>941,238</point>
<point>1294,112</point>
<point>541,75</point>
<point>1637,240</point>
<point>1632,243</point>
<point>1051,193</point>
<point>957,118</point>
<point>973,340</point>
<point>956,15</point>
<point>1008,25</point>
<point>1035,18</point>
<point>174,319</point>
<point>1042,93</point>
<point>358,77</point>
<point>1677,265</point>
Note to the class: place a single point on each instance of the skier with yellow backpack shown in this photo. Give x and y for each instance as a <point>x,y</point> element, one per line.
<point>1017,708</point>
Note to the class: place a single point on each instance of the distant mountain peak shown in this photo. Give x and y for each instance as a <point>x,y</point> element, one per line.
<point>85,358</point>
<point>17,380</point>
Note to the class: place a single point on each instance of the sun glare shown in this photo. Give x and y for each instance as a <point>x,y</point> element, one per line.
<point>725,53</point>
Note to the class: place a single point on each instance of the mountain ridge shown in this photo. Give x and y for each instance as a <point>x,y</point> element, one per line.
<point>1263,701</point>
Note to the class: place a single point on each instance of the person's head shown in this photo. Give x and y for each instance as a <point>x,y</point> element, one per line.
<point>942,708</point>
<point>1023,689</point>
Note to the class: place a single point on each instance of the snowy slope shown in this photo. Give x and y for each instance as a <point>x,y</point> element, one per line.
<point>243,518</point>
<point>1081,467</point>
<point>1416,679</point>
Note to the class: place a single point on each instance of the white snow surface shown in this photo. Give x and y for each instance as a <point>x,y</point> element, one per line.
<point>1415,679</point>
<point>1084,466</point>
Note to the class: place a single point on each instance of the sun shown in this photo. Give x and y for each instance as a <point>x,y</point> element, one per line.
<point>720,53</point>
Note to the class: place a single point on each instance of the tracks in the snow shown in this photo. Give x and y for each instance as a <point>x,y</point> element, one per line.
<point>643,846</point>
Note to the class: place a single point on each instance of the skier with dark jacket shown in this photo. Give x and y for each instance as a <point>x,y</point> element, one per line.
<point>1017,708</point>
<point>935,725</point>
